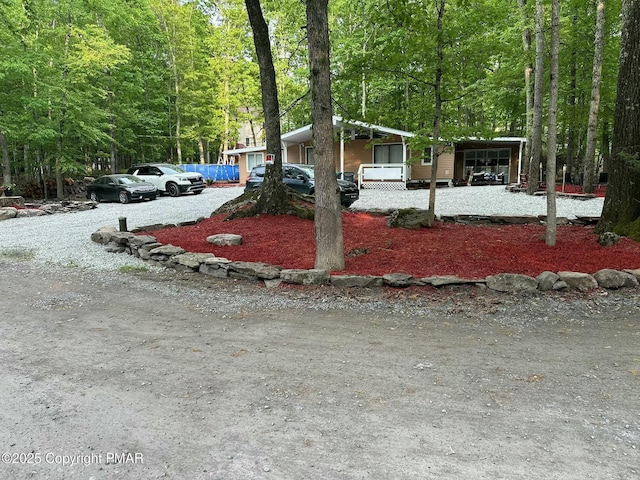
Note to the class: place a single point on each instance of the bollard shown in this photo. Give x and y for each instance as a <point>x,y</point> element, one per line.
<point>123,224</point>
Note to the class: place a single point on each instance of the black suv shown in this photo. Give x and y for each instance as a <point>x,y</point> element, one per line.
<point>169,178</point>
<point>301,179</point>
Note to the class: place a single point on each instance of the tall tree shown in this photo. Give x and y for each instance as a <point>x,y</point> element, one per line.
<point>273,198</point>
<point>437,114</point>
<point>621,211</point>
<point>528,84</point>
<point>590,150</point>
<point>328,213</point>
<point>552,133</point>
<point>538,101</point>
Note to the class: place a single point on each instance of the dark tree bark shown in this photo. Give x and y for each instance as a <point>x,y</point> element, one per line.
<point>621,212</point>
<point>592,128</point>
<point>528,70</point>
<point>552,137</point>
<point>437,115</point>
<point>273,195</point>
<point>6,165</point>
<point>328,216</point>
<point>538,100</point>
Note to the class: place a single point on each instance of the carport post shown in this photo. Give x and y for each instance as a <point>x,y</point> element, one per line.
<point>123,224</point>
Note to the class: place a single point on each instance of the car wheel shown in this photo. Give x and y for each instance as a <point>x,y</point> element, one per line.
<point>173,189</point>
<point>347,204</point>
<point>123,197</point>
<point>94,197</point>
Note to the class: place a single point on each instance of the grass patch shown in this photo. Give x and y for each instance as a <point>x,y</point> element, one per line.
<point>133,269</point>
<point>18,254</point>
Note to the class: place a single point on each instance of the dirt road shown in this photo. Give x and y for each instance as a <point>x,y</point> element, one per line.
<point>140,377</point>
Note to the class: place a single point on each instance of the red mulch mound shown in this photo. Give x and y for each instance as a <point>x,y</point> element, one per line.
<point>446,249</point>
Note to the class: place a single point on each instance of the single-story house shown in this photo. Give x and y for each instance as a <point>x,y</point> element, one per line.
<point>380,157</point>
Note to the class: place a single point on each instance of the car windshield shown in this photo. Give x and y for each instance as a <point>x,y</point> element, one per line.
<point>129,179</point>
<point>308,169</point>
<point>170,169</point>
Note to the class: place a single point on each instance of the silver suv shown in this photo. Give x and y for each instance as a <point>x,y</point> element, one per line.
<point>169,178</point>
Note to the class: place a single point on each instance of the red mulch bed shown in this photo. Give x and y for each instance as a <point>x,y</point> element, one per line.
<point>446,249</point>
<point>598,190</point>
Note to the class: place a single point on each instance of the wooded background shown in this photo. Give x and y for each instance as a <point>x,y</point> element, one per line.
<point>93,84</point>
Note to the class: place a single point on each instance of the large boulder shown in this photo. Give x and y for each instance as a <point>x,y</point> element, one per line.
<point>255,270</point>
<point>612,279</point>
<point>400,280</point>
<point>577,280</point>
<point>547,281</point>
<point>362,281</point>
<point>511,282</point>
<point>313,276</point>
<point>103,234</point>
<point>443,280</point>
<point>215,267</point>
<point>225,239</point>
<point>30,212</point>
<point>8,212</point>
<point>412,218</point>
<point>191,261</point>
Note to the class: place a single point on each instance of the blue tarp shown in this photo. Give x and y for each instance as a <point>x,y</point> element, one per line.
<point>213,171</point>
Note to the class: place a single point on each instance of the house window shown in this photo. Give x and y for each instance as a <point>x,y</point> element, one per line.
<point>309,155</point>
<point>388,153</point>
<point>491,161</point>
<point>253,160</point>
<point>426,157</point>
<point>247,141</point>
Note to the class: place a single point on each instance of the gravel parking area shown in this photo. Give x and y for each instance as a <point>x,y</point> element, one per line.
<point>63,239</point>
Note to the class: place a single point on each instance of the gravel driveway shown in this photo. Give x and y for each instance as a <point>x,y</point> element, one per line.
<point>63,239</point>
<point>162,374</point>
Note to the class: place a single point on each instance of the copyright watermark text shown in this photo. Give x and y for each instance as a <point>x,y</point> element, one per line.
<point>52,458</point>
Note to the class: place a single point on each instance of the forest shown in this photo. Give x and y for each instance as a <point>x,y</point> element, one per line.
<point>91,86</point>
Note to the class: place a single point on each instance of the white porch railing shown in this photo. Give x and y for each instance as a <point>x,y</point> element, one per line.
<point>382,175</point>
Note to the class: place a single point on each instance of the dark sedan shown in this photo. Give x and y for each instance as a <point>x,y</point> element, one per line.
<point>121,188</point>
<point>302,179</point>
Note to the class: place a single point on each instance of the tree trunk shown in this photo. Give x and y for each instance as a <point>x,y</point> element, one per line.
<point>328,216</point>
<point>273,196</point>
<point>538,100</point>
<point>201,150</point>
<point>6,164</point>
<point>592,128</point>
<point>528,70</point>
<point>621,212</point>
<point>552,134</point>
<point>437,115</point>
<point>573,101</point>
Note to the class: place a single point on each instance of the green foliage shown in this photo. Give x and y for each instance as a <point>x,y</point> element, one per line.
<point>629,229</point>
<point>133,269</point>
<point>80,80</point>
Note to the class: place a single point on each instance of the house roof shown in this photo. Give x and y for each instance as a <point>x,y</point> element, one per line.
<point>493,140</point>
<point>238,151</point>
<point>304,134</point>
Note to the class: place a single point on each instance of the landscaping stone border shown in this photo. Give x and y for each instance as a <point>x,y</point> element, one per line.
<point>18,208</point>
<point>147,248</point>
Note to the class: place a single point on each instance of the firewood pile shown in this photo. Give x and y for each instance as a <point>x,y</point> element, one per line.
<point>72,188</point>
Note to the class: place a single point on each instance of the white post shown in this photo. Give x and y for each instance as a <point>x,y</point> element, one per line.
<point>564,175</point>
<point>342,152</point>
<point>540,171</point>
